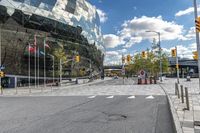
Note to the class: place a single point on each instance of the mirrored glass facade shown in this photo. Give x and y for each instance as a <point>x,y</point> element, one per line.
<point>70,12</point>
<point>69,27</point>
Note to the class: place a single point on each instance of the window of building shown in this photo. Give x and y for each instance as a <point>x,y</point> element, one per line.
<point>71,6</point>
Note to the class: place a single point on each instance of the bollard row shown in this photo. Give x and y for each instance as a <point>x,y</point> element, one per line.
<point>180,94</point>
<point>151,80</point>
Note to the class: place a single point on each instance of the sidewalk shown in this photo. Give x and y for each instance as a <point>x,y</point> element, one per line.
<point>187,119</point>
<point>33,91</point>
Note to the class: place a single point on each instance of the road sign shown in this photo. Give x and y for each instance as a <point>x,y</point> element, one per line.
<point>142,74</point>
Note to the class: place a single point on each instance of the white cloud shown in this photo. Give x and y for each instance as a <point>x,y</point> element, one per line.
<point>134,31</point>
<point>191,34</point>
<point>111,40</point>
<point>183,51</point>
<point>187,11</point>
<point>103,16</point>
<point>113,57</point>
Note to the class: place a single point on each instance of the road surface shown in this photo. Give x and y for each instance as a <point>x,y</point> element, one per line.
<point>86,114</point>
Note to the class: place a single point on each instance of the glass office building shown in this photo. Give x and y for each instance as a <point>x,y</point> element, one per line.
<point>35,34</point>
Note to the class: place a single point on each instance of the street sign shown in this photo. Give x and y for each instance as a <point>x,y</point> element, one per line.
<point>142,74</point>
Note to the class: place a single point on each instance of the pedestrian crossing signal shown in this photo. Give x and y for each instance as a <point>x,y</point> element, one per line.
<point>173,52</point>
<point>197,23</point>
<point>2,74</point>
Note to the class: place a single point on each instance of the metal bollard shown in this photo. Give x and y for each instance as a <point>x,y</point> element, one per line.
<point>150,80</point>
<point>176,88</point>
<point>155,80</point>
<point>16,90</point>
<point>178,93</point>
<point>1,90</point>
<point>145,80</point>
<point>51,88</point>
<point>182,95</point>
<point>187,99</point>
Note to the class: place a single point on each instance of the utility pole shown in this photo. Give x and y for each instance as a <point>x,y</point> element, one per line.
<point>197,39</point>
<point>160,54</point>
<point>177,66</point>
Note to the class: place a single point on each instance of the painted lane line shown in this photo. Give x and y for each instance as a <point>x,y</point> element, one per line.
<point>149,97</point>
<point>110,97</point>
<point>131,97</point>
<point>92,97</point>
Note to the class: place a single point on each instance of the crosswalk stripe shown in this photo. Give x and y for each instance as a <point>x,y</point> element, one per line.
<point>110,97</point>
<point>131,97</point>
<point>92,97</point>
<point>149,97</point>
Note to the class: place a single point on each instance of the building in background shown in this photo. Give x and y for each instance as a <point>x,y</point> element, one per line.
<point>32,30</point>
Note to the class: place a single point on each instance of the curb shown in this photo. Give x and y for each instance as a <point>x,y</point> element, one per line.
<point>174,114</point>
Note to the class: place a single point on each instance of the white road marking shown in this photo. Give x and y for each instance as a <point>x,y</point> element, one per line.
<point>92,97</point>
<point>110,97</point>
<point>131,97</point>
<point>149,97</point>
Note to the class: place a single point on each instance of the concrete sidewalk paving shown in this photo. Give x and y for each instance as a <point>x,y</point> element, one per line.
<point>189,120</point>
<point>38,90</point>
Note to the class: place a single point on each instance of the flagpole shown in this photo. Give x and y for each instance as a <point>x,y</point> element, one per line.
<point>38,66</point>
<point>44,63</point>
<point>35,61</point>
<point>29,69</point>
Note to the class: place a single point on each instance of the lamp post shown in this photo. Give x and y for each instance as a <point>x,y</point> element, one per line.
<point>158,33</point>
<point>197,39</point>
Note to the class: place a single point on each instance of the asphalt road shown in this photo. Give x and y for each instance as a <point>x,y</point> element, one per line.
<point>81,114</point>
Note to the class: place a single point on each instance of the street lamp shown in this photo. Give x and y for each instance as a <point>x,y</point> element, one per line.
<point>197,38</point>
<point>158,33</point>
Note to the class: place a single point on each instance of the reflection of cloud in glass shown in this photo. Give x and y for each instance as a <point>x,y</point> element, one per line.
<point>81,14</point>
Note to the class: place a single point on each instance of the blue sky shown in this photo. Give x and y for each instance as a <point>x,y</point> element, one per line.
<point>124,23</point>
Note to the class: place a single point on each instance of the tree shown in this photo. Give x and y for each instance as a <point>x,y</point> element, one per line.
<point>151,64</point>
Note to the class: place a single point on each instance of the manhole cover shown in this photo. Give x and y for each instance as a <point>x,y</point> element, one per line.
<point>116,117</point>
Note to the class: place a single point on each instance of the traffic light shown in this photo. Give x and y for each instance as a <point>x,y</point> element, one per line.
<point>173,52</point>
<point>123,59</point>
<point>197,23</point>
<point>128,58</point>
<point>177,66</point>
<point>195,55</point>
<point>78,58</point>
<point>2,74</point>
<point>143,54</point>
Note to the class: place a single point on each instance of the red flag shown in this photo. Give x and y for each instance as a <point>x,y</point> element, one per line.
<point>47,46</point>
<point>32,49</point>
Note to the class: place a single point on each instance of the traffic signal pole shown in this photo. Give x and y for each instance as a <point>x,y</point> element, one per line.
<point>177,66</point>
<point>197,39</point>
<point>0,59</point>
